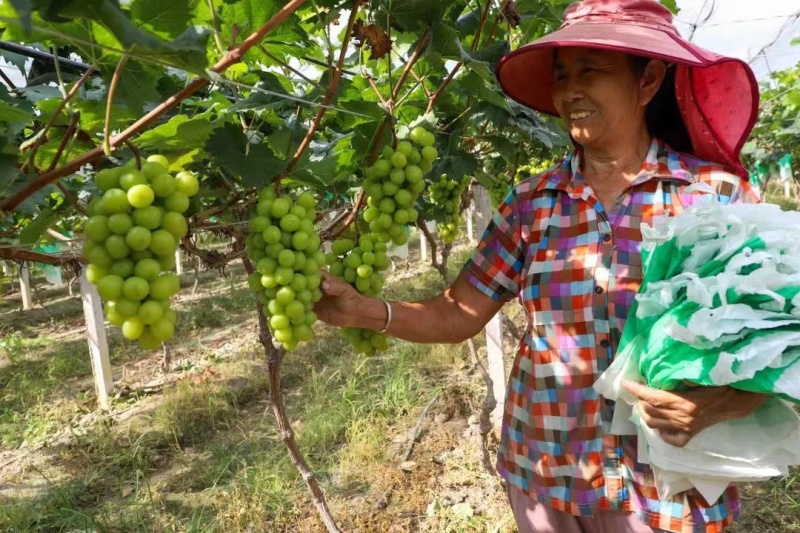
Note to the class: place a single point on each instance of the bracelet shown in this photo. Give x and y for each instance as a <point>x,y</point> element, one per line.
<point>388,316</point>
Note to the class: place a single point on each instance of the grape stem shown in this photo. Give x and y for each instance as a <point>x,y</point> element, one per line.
<point>274,360</point>
<point>232,57</point>
<point>112,88</point>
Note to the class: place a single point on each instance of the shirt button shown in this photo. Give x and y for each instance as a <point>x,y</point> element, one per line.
<point>598,289</point>
<point>606,237</point>
<point>604,343</point>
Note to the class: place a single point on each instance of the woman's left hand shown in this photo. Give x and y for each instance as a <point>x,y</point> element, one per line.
<point>679,416</point>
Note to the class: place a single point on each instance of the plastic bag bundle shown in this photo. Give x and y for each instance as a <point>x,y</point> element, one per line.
<point>719,305</point>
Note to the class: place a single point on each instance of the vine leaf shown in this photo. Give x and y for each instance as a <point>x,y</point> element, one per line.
<point>374,37</point>
<point>230,149</point>
<point>137,84</point>
<point>168,16</point>
<point>24,10</point>
<point>179,133</point>
<point>33,231</point>
<point>410,15</point>
<point>187,51</point>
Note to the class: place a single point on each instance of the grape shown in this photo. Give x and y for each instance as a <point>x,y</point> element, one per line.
<point>96,228</point>
<point>132,328</point>
<point>446,195</point>
<point>163,185</point>
<point>187,183</point>
<point>284,239</point>
<point>108,178</point>
<point>393,183</point>
<point>160,159</point>
<point>177,202</point>
<point>116,201</point>
<point>149,217</point>
<point>132,236</point>
<point>130,178</point>
<point>151,312</point>
<point>360,265</point>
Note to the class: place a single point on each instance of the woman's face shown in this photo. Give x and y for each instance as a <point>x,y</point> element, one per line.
<point>598,95</point>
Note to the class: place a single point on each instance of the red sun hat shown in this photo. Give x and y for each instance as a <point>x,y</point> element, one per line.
<point>717,96</point>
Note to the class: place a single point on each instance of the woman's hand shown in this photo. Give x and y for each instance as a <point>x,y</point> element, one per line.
<point>679,416</point>
<point>340,303</point>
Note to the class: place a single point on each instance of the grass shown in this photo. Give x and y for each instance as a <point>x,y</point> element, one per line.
<point>206,457</point>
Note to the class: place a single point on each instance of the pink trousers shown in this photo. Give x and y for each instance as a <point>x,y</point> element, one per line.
<point>533,517</point>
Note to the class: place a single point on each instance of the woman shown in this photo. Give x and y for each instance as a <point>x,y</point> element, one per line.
<point>566,244</point>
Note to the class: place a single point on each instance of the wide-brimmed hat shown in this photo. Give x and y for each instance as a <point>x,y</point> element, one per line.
<point>717,96</point>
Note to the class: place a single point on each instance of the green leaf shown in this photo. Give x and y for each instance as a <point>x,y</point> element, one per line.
<point>672,5</point>
<point>503,146</point>
<point>168,16</point>
<point>469,22</point>
<point>179,133</point>
<point>411,15</point>
<point>136,86</point>
<point>187,51</point>
<point>24,10</point>
<point>33,231</point>
<point>445,41</point>
<point>11,113</point>
<point>255,163</point>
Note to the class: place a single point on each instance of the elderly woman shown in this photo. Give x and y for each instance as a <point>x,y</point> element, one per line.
<point>650,114</point>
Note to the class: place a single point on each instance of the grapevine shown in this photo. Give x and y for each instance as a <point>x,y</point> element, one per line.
<point>131,238</point>
<point>285,248</point>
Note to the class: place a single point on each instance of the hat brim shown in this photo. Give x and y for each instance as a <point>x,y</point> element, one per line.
<point>705,82</point>
<point>526,75</point>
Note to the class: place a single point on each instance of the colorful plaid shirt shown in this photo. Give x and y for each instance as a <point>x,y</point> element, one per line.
<point>576,268</point>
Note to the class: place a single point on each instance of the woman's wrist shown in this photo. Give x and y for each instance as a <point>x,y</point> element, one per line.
<point>372,314</point>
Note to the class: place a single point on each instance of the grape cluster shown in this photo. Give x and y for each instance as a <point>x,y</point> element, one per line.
<point>393,183</point>
<point>131,236</point>
<point>446,194</point>
<point>285,247</point>
<point>361,266</point>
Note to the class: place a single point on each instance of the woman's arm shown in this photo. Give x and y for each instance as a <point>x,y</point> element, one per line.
<point>455,315</point>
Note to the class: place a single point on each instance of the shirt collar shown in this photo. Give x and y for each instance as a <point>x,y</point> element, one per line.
<point>661,162</point>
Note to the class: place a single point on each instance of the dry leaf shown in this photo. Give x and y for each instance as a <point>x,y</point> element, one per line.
<point>511,13</point>
<point>374,37</point>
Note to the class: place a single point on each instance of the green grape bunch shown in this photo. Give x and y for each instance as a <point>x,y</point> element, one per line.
<point>132,234</point>
<point>393,184</point>
<point>445,193</point>
<point>284,245</point>
<point>361,266</point>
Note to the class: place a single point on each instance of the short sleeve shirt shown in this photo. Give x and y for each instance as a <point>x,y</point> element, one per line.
<point>575,266</point>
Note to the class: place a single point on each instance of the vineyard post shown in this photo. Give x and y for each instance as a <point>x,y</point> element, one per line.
<point>470,213</point>
<point>178,261</point>
<point>423,248</point>
<point>494,328</point>
<point>25,285</point>
<point>423,242</point>
<point>98,344</point>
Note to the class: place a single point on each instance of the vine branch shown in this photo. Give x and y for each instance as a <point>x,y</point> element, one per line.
<point>274,359</point>
<point>43,133</point>
<point>232,57</point>
<point>332,87</point>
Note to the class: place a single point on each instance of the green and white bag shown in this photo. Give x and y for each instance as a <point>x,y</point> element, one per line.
<point>719,305</point>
